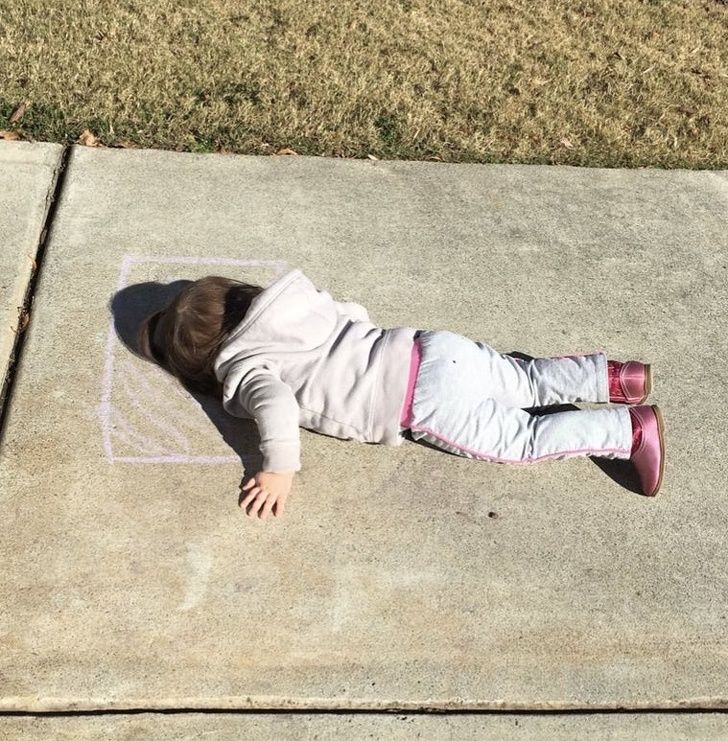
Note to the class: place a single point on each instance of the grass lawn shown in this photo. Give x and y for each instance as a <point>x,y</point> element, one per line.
<point>619,83</point>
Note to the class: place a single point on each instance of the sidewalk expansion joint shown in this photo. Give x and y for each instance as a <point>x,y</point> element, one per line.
<point>53,197</point>
<point>60,707</point>
<point>331,712</point>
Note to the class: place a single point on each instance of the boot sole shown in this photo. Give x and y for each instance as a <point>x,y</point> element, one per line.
<point>661,430</point>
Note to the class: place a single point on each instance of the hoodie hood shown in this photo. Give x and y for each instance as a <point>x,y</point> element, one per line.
<point>290,315</point>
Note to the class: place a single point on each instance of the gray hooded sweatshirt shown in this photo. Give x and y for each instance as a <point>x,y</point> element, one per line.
<point>299,358</point>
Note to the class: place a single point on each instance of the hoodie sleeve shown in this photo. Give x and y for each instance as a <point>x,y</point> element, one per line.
<point>352,310</point>
<point>271,403</point>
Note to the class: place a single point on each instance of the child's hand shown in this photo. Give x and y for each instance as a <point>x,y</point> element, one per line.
<point>265,489</point>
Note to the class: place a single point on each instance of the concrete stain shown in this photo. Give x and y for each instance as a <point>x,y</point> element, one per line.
<point>200,562</point>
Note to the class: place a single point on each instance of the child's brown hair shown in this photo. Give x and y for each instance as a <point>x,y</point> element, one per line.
<point>185,337</point>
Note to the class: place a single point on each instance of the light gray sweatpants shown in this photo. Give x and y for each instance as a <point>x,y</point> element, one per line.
<point>469,399</point>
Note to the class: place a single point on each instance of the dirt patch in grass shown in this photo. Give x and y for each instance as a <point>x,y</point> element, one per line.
<point>621,84</point>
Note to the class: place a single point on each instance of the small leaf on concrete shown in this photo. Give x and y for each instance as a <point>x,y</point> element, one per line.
<point>9,135</point>
<point>286,151</point>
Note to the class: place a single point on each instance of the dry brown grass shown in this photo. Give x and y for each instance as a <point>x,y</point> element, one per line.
<point>622,83</point>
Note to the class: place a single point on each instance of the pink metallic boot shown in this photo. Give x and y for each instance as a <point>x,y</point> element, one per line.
<point>648,447</point>
<point>630,382</point>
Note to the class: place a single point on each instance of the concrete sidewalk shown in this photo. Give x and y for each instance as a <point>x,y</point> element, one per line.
<point>399,578</point>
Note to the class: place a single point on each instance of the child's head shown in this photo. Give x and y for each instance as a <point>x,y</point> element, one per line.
<point>186,336</point>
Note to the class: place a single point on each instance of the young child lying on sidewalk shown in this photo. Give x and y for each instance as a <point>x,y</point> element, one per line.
<point>290,355</point>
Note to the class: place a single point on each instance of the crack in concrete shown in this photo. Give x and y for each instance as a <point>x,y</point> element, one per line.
<point>53,197</point>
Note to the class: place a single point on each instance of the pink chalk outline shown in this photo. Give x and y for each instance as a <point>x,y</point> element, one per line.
<point>105,408</point>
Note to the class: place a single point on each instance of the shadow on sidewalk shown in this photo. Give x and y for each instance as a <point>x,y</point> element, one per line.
<point>130,307</point>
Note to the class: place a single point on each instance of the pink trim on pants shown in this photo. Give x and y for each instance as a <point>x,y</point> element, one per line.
<point>524,461</point>
<point>415,359</point>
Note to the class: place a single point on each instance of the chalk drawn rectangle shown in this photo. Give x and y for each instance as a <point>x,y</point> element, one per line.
<point>146,415</point>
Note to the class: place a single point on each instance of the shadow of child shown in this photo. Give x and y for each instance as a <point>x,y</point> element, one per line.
<point>130,306</point>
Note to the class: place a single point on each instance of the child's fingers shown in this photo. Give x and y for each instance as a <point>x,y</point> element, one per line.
<point>258,503</point>
<point>249,483</point>
<point>269,502</point>
<point>250,496</point>
<point>280,506</point>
